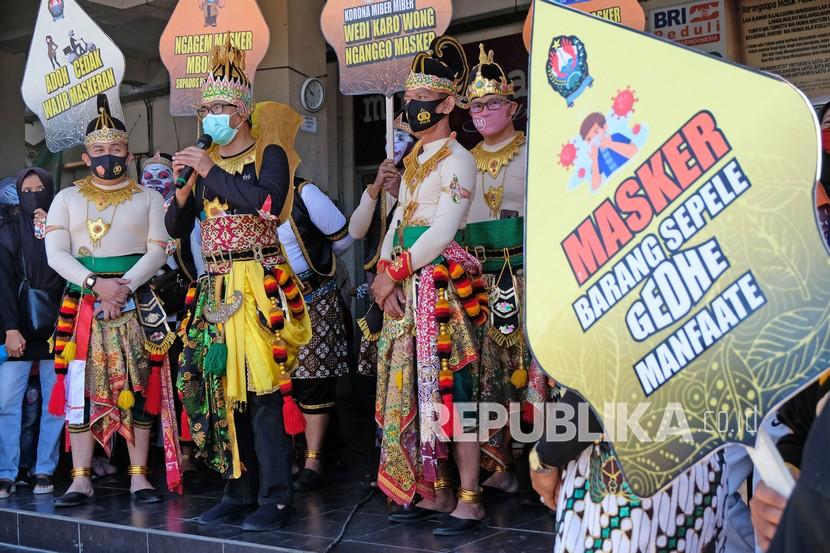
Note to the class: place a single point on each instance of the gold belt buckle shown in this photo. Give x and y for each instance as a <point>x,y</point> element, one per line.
<point>480,253</point>
<point>306,287</point>
<point>257,249</point>
<point>213,257</point>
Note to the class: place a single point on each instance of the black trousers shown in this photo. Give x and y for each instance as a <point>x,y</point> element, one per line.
<point>265,450</point>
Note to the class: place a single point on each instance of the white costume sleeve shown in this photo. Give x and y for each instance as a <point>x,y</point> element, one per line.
<point>157,239</point>
<point>58,243</point>
<point>458,177</point>
<point>362,217</point>
<point>326,217</point>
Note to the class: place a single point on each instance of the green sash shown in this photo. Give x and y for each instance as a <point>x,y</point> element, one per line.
<point>488,240</point>
<point>116,265</point>
<point>411,235</point>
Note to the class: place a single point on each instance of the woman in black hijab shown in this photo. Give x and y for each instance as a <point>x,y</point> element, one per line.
<point>25,343</point>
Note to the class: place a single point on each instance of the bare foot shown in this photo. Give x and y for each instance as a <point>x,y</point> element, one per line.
<point>504,481</point>
<point>471,511</point>
<point>444,501</point>
<point>81,484</point>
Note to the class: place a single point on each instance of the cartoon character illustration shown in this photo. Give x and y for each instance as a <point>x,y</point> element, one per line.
<point>210,9</point>
<point>608,152</point>
<point>56,9</point>
<point>567,67</point>
<point>52,52</point>
<point>605,143</point>
<point>76,48</point>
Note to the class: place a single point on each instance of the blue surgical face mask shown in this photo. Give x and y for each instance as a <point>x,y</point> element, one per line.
<point>219,128</point>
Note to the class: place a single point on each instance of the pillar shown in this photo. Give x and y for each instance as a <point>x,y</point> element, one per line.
<point>12,139</point>
<point>297,51</point>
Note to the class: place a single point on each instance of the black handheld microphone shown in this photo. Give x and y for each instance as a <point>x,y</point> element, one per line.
<point>203,143</point>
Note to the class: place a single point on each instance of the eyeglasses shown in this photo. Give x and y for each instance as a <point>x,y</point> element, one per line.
<point>492,105</point>
<point>215,109</point>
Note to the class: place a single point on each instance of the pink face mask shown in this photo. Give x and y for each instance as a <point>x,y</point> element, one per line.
<point>490,123</point>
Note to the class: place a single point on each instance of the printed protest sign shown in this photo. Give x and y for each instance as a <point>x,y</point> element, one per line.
<point>188,40</point>
<point>376,41</point>
<point>71,61</point>
<point>676,276</point>
<point>624,12</point>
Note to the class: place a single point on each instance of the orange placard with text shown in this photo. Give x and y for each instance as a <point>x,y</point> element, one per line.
<point>624,12</point>
<point>193,30</point>
<point>376,41</point>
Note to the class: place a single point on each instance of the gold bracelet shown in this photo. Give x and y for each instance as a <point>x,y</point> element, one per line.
<point>470,497</point>
<point>138,470</point>
<point>83,472</point>
<point>313,455</point>
<point>442,483</point>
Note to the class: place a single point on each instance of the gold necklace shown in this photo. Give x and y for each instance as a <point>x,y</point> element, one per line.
<point>103,198</point>
<point>493,162</point>
<point>415,172</point>
<point>234,164</point>
<point>97,228</point>
<point>493,196</point>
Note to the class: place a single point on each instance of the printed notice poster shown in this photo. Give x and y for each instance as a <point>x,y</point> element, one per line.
<point>376,41</point>
<point>700,25</point>
<point>195,27</point>
<point>676,275</point>
<point>71,61</point>
<point>791,39</point>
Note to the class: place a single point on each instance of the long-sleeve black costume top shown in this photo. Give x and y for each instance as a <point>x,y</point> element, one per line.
<point>244,193</point>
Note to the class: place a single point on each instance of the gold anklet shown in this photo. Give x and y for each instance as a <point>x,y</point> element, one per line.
<point>138,470</point>
<point>470,497</point>
<point>442,483</point>
<point>83,472</point>
<point>313,455</point>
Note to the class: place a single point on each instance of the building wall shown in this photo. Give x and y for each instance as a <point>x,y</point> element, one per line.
<point>12,147</point>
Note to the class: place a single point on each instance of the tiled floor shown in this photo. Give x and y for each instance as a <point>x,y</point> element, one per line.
<point>515,525</point>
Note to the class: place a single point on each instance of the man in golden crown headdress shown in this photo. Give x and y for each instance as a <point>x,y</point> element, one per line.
<point>106,237</point>
<point>426,283</point>
<point>246,317</point>
<point>495,234</point>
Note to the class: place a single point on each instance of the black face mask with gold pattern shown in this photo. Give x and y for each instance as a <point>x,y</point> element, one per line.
<point>421,115</point>
<point>108,167</point>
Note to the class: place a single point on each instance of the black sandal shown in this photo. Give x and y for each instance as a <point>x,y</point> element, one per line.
<point>308,480</point>
<point>147,495</point>
<point>7,488</point>
<point>72,499</point>
<point>454,526</point>
<point>42,484</point>
<point>417,514</point>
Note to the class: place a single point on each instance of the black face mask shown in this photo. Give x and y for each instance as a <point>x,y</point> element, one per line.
<point>108,167</point>
<point>30,201</point>
<point>422,115</point>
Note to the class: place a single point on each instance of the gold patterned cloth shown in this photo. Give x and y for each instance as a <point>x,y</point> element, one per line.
<point>239,233</point>
<point>408,397</point>
<point>116,361</point>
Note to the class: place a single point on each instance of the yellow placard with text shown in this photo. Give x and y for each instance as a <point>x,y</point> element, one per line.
<point>676,274</point>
